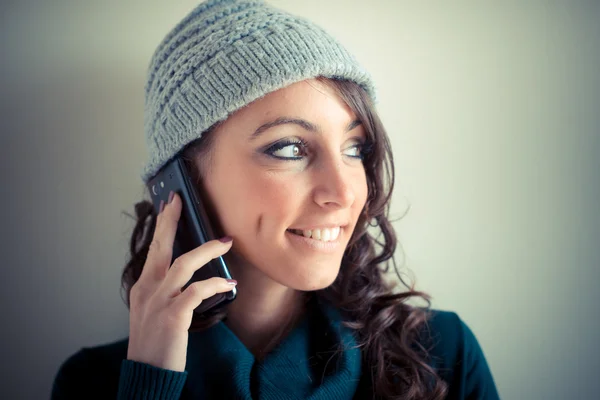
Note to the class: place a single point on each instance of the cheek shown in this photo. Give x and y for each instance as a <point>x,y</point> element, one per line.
<point>254,202</point>
<point>361,188</point>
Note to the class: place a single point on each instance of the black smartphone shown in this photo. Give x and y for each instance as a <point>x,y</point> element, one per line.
<point>194,227</point>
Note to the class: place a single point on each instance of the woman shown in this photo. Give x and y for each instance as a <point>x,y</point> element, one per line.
<point>276,121</point>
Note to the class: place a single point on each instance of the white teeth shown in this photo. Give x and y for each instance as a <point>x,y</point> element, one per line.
<point>325,235</point>
<point>335,232</point>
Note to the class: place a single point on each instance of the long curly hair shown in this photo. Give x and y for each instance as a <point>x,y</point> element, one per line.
<point>386,326</point>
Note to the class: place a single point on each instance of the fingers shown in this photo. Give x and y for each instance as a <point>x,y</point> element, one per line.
<point>184,266</point>
<point>199,291</point>
<point>161,247</point>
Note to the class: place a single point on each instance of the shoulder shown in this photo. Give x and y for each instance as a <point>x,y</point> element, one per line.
<point>106,356</point>
<point>443,334</point>
<point>457,356</point>
<point>90,369</point>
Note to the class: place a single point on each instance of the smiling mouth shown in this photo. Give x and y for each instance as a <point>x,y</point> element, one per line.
<point>323,235</point>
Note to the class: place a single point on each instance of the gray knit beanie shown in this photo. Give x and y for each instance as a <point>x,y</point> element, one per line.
<point>224,55</point>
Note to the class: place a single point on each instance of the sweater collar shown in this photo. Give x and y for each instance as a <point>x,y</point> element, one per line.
<point>318,359</point>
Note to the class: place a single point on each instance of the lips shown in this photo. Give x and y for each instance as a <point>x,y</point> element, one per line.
<point>309,245</point>
<point>325,234</point>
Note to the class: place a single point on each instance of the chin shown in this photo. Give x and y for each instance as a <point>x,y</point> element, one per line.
<point>316,280</point>
<point>299,273</point>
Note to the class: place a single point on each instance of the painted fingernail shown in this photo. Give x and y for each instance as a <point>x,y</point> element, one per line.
<point>171,195</point>
<point>231,282</point>
<point>226,239</point>
<point>161,207</point>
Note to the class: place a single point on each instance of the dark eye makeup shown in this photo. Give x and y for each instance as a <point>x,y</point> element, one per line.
<point>364,149</point>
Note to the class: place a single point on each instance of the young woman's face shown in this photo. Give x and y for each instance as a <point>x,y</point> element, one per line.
<point>289,161</point>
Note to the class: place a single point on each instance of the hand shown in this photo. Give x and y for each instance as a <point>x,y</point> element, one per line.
<point>160,312</point>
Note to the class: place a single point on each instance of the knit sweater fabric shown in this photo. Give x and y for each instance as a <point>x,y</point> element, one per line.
<point>318,359</point>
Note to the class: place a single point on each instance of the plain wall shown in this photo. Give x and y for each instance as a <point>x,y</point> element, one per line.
<point>493,112</point>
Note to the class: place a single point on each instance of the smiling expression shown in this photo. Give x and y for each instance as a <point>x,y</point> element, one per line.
<point>287,182</point>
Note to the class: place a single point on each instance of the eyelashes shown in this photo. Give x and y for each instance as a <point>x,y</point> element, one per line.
<point>298,143</point>
<point>299,147</point>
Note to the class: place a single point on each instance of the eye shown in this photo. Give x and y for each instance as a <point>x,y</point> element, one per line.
<point>355,151</point>
<point>360,150</point>
<point>288,150</point>
<point>296,149</point>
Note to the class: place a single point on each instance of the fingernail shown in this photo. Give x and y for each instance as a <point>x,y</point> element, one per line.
<point>161,207</point>
<point>232,282</point>
<point>226,239</point>
<point>171,195</point>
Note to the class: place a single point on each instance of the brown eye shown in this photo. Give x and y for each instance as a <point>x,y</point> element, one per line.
<point>288,150</point>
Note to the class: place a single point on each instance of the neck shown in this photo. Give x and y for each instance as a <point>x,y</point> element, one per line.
<point>264,311</point>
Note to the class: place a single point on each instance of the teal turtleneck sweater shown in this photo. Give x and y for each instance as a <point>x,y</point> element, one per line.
<point>304,365</point>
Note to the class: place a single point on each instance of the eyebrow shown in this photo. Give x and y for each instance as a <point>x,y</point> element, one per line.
<point>309,126</point>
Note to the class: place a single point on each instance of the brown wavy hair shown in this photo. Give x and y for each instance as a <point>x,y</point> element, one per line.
<point>387,328</point>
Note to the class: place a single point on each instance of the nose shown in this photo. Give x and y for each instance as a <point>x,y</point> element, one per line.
<point>334,184</point>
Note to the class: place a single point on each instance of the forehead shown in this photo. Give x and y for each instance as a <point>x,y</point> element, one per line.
<point>311,99</point>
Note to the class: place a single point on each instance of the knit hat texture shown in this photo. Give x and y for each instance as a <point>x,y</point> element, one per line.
<point>222,56</point>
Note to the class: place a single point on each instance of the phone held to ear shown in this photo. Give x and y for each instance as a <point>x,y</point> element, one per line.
<point>193,228</point>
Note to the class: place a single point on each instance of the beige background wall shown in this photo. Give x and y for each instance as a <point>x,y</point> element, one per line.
<point>493,111</point>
